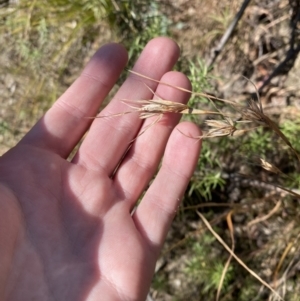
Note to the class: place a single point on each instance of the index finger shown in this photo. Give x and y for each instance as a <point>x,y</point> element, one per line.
<point>109,138</point>
<point>64,124</point>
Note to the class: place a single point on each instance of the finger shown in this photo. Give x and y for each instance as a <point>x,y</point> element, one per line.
<point>108,138</point>
<point>160,203</point>
<point>143,158</point>
<point>61,128</point>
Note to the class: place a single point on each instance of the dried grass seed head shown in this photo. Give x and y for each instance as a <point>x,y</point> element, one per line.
<point>153,107</point>
<point>269,166</point>
<point>220,128</point>
<point>254,112</point>
<point>149,108</point>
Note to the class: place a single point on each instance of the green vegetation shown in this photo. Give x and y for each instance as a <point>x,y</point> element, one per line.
<point>205,272</point>
<point>44,45</point>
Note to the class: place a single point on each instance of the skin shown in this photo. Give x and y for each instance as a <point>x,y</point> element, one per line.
<point>66,228</point>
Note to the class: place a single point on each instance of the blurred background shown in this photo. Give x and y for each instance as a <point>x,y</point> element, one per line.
<point>255,209</point>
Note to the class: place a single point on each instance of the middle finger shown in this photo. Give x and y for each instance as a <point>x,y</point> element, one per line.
<point>109,137</point>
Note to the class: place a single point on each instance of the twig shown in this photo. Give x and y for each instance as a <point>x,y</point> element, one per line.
<point>217,50</point>
<point>293,50</point>
<point>290,57</point>
<point>265,217</point>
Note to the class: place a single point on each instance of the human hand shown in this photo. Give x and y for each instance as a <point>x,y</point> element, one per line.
<point>66,229</point>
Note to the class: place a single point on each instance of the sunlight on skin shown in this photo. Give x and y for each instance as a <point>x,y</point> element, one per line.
<point>66,229</point>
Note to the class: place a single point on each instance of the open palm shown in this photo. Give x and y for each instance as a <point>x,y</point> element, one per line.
<point>67,231</point>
